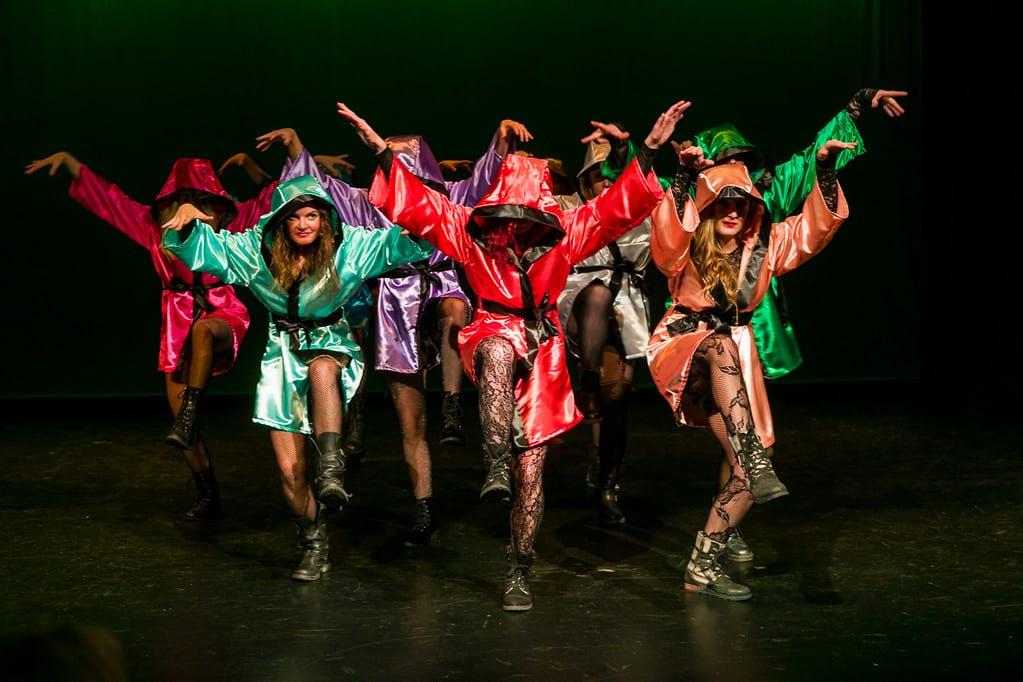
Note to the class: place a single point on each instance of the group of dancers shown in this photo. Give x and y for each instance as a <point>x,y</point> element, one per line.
<point>556,265</point>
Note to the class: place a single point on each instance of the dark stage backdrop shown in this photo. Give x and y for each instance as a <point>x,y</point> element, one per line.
<point>130,86</point>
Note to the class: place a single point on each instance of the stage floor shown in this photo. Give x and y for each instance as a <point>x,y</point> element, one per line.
<point>898,553</point>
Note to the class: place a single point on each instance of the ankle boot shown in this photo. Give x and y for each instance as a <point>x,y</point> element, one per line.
<point>611,513</point>
<point>497,484</point>
<point>588,398</point>
<point>451,433</point>
<point>422,525</point>
<point>207,507</point>
<point>329,484</point>
<point>517,595</point>
<point>704,574</point>
<point>764,484</point>
<point>355,430</point>
<point>183,432</point>
<point>312,538</point>
<point>738,550</point>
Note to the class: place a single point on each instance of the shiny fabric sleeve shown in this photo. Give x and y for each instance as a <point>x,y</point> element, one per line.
<point>797,239</point>
<point>109,203</point>
<point>352,204</point>
<point>469,191</point>
<point>794,179</point>
<point>672,232</point>
<point>371,253</point>
<point>250,210</point>
<point>618,209</point>
<point>405,200</point>
<point>234,258</point>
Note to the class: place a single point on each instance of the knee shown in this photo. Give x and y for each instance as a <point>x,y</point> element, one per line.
<point>495,352</point>
<point>722,348</point>
<point>322,370</point>
<point>453,312</point>
<point>202,333</point>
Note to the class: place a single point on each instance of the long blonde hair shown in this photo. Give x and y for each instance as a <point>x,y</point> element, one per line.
<point>284,253</point>
<point>712,263</point>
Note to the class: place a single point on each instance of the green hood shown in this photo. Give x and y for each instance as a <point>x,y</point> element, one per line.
<point>724,141</point>
<point>289,197</point>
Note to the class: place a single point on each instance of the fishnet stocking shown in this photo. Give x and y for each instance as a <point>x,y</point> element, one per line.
<point>289,449</point>
<point>325,396</point>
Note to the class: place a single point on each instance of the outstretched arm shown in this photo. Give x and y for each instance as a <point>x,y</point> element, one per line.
<point>470,190</point>
<point>231,257</point>
<point>797,239</point>
<point>628,201</point>
<point>105,200</point>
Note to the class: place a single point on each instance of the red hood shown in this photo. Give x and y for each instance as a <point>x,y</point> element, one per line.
<point>521,191</point>
<point>195,175</point>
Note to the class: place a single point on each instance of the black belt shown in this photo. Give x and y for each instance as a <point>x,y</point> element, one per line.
<point>618,270</point>
<point>716,319</point>
<point>539,327</point>
<point>535,317</point>
<point>294,327</point>
<point>198,292</point>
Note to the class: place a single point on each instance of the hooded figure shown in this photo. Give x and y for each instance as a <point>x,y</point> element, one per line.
<point>517,296</point>
<point>309,317</point>
<point>406,291</point>
<point>187,296</point>
<point>767,250</point>
<point>618,266</point>
<point>783,188</point>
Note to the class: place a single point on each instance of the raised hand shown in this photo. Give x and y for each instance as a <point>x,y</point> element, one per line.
<point>330,163</point>
<point>886,100</point>
<point>185,214</point>
<point>457,165</point>
<point>691,155</point>
<point>363,129</point>
<point>286,136</point>
<point>605,132</point>
<point>664,126</point>
<point>831,148</point>
<point>55,162</point>
<point>513,128</point>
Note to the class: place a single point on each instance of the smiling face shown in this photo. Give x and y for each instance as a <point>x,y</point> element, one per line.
<point>730,216</point>
<point>304,225</point>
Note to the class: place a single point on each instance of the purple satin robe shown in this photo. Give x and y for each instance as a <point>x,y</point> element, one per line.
<point>403,345</point>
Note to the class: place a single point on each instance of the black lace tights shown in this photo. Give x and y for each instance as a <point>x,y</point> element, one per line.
<point>716,378</point>
<point>495,372</point>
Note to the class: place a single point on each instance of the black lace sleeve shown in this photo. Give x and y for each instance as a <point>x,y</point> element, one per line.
<point>680,185</point>
<point>645,155</point>
<point>859,102</point>
<point>828,182</point>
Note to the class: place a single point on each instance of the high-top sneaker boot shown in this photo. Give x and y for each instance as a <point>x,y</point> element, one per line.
<point>207,507</point>
<point>422,525</point>
<point>704,574</point>
<point>183,432</point>
<point>517,595</point>
<point>312,538</point>
<point>451,432</point>
<point>497,484</point>
<point>764,484</point>
<point>355,430</point>
<point>738,550</point>
<point>329,484</point>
